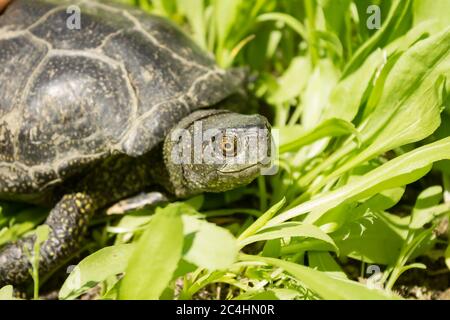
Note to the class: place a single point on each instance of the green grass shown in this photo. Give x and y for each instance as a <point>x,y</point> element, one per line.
<point>364,164</point>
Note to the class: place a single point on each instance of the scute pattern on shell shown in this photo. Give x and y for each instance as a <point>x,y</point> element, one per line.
<point>69,98</point>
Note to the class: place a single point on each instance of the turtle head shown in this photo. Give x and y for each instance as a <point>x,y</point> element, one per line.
<point>216,150</point>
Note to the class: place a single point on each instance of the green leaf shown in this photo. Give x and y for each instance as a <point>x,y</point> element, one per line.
<point>414,242</point>
<point>262,220</point>
<point>155,257</point>
<point>265,295</point>
<point>413,266</point>
<point>425,216</point>
<point>398,172</point>
<point>207,245</point>
<point>24,221</point>
<point>331,41</point>
<point>131,222</point>
<point>378,87</point>
<point>272,248</point>
<point>42,233</point>
<point>285,294</point>
<point>349,212</point>
<point>352,90</point>
<point>427,208</point>
<point>195,202</point>
<point>432,10</point>
<point>347,96</point>
<point>325,286</point>
<point>329,128</point>
<point>365,239</point>
<point>410,106</point>
<point>304,245</point>
<point>292,82</point>
<point>164,7</point>
<point>272,294</point>
<point>6,293</point>
<point>289,230</point>
<point>225,14</point>
<point>138,219</point>
<point>289,20</point>
<point>397,12</point>
<point>194,11</point>
<point>320,84</point>
<point>323,261</point>
<point>95,268</point>
<point>334,10</point>
<point>288,134</point>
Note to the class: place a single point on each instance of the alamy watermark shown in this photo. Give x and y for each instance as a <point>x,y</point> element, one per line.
<point>73,21</point>
<point>230,146</point>
<point>375,281</point>
<point>374,20</point>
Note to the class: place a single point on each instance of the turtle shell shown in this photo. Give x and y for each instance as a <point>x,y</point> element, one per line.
<point>69,97</point>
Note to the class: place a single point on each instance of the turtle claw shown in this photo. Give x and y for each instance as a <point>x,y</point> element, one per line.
<point>140,201</point>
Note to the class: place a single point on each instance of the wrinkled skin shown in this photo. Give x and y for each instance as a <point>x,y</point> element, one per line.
<point>230,151</point>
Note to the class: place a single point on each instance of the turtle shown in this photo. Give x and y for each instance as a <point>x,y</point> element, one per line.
<point>101,109</point>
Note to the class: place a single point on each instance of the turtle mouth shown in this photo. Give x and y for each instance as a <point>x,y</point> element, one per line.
<point>248,168</point>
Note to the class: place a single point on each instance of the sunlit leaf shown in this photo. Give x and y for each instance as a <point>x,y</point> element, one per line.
<point>325,286</point>
<point>397,172</point>
<point>104,263</point>
<point>155,257</point>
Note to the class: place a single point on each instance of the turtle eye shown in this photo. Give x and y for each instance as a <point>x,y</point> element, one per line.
<point>228,145</point>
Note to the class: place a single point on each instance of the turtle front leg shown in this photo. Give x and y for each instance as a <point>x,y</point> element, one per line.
<point>68,222</point>
<point>112,180</point>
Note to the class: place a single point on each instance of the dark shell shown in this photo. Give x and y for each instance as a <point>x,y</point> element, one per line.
<point>71,97</point>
